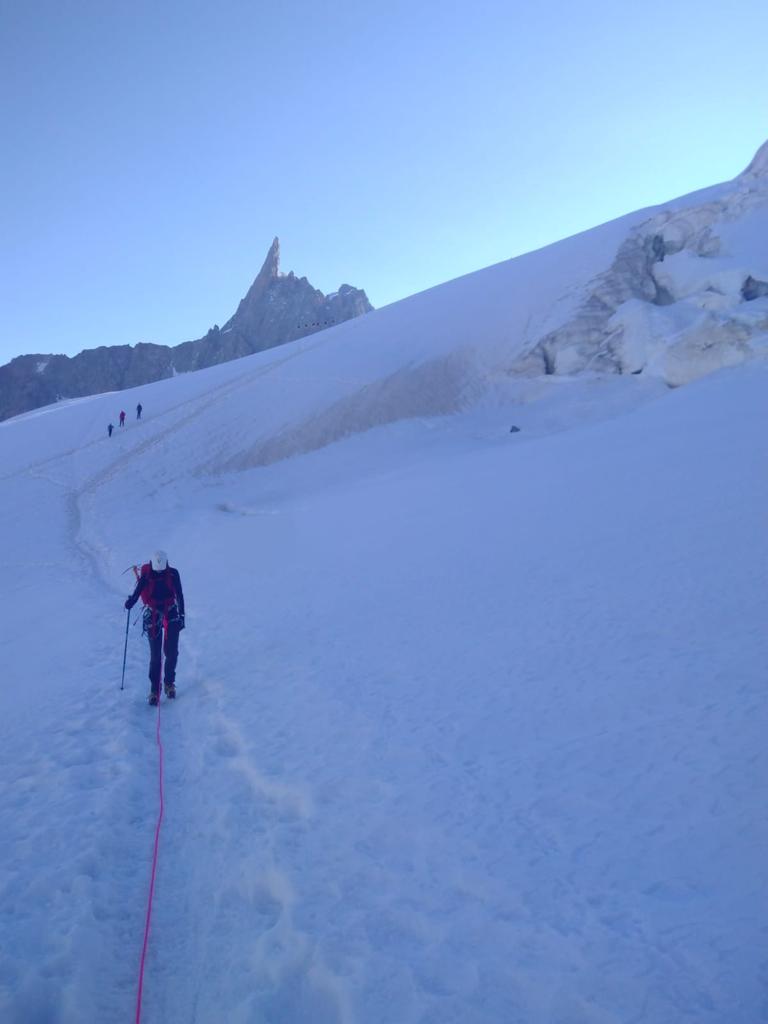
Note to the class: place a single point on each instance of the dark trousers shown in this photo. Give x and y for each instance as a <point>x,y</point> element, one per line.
<point>157,648</point>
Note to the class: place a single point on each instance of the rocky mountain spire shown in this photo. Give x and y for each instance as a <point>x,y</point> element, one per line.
<point>269,273</point>
<point>271,267</point>
<point>277,308</point>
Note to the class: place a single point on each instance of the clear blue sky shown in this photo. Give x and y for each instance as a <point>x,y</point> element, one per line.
<point>152,150</point>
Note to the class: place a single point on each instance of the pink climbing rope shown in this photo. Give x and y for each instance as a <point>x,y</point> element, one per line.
<point>154,871</point>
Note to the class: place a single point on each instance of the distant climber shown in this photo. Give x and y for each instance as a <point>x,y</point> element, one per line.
<point>159,587</point>
<point>122,419</point>
<point>138,411</point>
<point>110,428</point>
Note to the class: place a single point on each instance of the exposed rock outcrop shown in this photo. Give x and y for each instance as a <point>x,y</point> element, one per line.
<point>277,308</point>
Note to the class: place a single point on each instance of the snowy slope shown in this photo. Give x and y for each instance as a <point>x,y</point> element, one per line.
<point>470,723</point>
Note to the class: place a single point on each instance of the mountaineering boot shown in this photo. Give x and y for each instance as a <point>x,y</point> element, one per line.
<point>170,690</point>
<point>154,699</point>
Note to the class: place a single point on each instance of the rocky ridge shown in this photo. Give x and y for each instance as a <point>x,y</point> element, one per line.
<point>277,308</point>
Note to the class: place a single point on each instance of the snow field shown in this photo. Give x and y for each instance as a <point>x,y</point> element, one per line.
<point>469,723</point>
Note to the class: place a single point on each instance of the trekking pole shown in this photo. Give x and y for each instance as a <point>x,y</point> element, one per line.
<point>125,652</point>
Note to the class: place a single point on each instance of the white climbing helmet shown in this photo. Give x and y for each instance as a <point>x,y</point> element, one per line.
<point>159,561</point>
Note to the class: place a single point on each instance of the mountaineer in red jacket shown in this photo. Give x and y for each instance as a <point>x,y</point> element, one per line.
<point>159,586</point>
